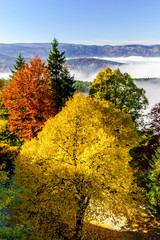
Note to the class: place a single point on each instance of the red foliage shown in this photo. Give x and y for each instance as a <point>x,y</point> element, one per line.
<point>29,99</point>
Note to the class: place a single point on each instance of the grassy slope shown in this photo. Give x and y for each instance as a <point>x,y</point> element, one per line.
<point>93,232</point>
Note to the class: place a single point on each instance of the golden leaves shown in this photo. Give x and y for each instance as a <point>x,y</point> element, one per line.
<point>81,153</point>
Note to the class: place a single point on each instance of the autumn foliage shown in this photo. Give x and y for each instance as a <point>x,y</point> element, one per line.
<point>29,100</point>
<point>80,156</point>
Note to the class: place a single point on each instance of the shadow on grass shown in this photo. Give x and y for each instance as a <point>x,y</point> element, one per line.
<point>93,232</point>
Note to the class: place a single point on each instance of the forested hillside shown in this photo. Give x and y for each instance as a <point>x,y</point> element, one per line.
<point>90,64</point>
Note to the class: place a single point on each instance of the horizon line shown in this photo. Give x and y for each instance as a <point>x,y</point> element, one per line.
<point>94,43</point>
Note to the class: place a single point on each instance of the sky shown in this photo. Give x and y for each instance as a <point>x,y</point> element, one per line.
<point>99,22</point>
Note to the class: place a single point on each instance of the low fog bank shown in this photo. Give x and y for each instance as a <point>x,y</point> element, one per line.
<point>137,67</point>
<point>4,75</point>
<point>83,75</point>
<point>152,88</point>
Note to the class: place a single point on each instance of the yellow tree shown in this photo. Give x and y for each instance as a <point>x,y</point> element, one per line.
<point>81,154</point>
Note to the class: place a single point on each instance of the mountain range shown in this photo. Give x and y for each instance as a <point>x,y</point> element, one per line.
<point>78,52</point>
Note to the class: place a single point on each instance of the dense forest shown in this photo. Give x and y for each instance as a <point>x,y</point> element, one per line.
<point>82,86</point>
<point>69,162</point>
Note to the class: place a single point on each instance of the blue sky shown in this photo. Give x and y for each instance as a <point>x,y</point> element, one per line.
<point>80,21</point>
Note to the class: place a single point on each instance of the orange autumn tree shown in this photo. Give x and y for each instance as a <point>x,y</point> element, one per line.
<point>29,100</point>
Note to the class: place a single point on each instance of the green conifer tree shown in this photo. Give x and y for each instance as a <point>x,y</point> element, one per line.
<point>67,85</point>
<point>62,82</point>
<point>20,61</point>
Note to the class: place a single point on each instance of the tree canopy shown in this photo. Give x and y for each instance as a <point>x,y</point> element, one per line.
<point>81,86</point>
<point>121,90</point>
<point>29,100</point>
<point>146,158</point>
<point>153,180</point>
<point>81,154</point>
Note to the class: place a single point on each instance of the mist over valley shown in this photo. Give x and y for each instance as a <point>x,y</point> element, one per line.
<point>85,61</point>
<point>138,67</point>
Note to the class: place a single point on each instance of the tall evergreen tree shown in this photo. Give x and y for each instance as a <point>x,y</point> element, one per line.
<point>20,61</point>
<point>62,82</point>
<point>67,85</point>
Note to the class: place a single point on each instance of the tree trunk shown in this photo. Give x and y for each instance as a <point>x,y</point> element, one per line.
<point>82,205</point>
<point>79,225</point>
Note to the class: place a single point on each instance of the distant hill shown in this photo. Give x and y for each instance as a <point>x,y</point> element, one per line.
<point>91,64</point>
<point>9,52</point>
<point>78,50</point>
